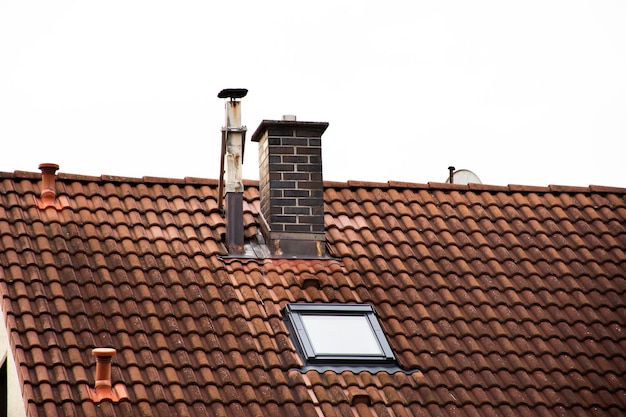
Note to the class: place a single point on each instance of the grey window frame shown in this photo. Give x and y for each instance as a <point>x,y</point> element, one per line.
<point>293,316</point>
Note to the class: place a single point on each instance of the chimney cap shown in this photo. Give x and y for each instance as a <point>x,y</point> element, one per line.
<point>318,127</point>
<point>233,93</point>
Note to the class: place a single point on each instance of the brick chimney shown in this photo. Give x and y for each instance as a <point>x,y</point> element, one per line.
<point>291,187</point>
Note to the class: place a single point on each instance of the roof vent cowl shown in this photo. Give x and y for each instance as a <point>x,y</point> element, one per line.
<point>48,177</point>
<point>103,387</point>
<point>48,197</point>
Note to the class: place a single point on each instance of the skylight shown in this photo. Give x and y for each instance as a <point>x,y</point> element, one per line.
<point>338,334</point>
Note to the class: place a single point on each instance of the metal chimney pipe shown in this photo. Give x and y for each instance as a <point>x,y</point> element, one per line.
<point>231,182</point>
<point>451,174</point>
<point>234,147</point>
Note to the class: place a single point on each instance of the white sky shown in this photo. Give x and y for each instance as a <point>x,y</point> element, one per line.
<point>520,92</point>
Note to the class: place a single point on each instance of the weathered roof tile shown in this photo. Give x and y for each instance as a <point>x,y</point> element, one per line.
<point>502,300</point>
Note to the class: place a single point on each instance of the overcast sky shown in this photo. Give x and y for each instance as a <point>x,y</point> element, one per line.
<point>519,92</point>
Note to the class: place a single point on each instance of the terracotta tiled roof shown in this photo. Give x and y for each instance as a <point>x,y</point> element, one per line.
<point>505,300</point>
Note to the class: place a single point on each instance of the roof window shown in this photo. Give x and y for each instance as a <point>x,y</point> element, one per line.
<point>332,336</point>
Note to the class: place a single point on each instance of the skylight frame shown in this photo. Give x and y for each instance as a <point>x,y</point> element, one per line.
<point>293,316</point>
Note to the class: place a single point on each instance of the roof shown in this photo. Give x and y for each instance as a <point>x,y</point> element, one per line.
<point>504,300</point>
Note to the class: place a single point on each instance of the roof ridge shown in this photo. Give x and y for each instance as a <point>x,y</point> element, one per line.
<point>477,187</point>
<point>116,178</point>
<point>552,188</point>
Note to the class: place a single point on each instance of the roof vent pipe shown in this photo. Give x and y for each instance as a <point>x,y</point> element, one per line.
<point>48,197</point>
<point>103,387</point>
<point>48,189</point>
<point>104,356</point>
<point>451,174</point>
<point>231,183</point>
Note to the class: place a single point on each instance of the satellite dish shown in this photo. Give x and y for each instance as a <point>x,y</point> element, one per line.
<point>463,177</point>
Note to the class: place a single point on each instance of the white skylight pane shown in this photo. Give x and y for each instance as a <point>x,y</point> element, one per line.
<point>341,335</point>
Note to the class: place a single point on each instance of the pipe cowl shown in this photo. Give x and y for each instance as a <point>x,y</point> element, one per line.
<point>48,196</point>
<point>103,387</point>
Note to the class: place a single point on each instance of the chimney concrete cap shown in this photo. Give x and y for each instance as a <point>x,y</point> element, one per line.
<point>316,128</point>
<point>290,117</point>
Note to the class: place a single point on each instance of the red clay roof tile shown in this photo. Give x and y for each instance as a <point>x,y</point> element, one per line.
<point>507,300</point>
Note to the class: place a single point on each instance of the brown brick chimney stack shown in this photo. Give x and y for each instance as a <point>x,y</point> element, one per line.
<point>291,187</point>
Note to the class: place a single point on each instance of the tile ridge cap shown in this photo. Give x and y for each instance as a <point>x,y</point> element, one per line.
<point>553,188</point>
<point>137,180</point>
<point>556,188</point>
<point>367,184</point>
<point>335,184</point>
<point>20,174</point>
<point>447,186</point>
<point>249,183</point>
<point>607,189</point>
<point>113,178</point>
<point>529,188</point>
<point>78,177</point>
<point>526,188</point>
<point>149,179</point>
<point>407,184</point>
<point>444,186</point>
